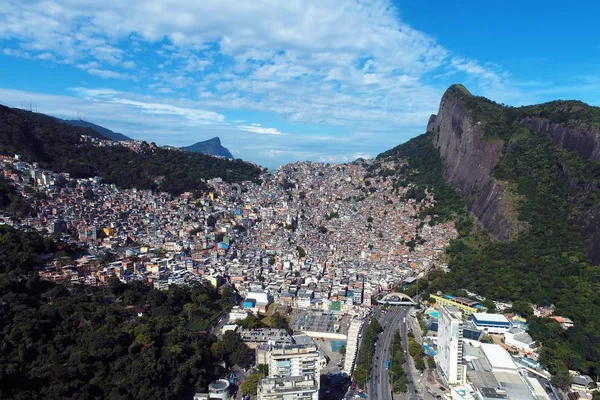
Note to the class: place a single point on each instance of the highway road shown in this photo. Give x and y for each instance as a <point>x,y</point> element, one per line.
<point>379,387</point>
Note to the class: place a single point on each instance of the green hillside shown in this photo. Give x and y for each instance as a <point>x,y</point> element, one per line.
<point>57,146</point>
<point>546,264</point>
<point>83,342</point>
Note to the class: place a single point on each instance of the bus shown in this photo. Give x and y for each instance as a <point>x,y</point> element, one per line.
<point>387,364</point>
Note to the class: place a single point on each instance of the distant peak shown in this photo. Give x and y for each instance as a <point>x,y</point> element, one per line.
<point>458,89</point>
<point>211,146</point>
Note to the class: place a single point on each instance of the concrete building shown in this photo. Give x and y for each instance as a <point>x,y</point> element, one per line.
<point>450,345</point>
<point>466,306</point>
<point>519,339</point>
<point>294,372</point>
<point>294,360</point>
<point>491,323</point>
<point>352,345</point>
<point>289,388</point>
<point>219,390</point>
<point>255,337</point>
<point>494,375</point>
<point>237,314</point>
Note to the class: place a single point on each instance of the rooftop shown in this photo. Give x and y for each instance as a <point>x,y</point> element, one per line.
<point>481,317</point>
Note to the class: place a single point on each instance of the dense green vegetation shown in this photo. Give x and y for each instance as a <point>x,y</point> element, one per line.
<point>416,352</point>
<point>397,374</point>
<point>250,385</point>
<point>365,363</point>
<point>79,342</point>
<point>547,263</point>
<point>56,146</point>
<point>12,202</point>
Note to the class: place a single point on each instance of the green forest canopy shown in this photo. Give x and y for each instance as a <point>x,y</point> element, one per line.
<point>81,342</point>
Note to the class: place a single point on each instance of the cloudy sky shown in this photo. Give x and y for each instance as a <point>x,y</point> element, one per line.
<point>281,81</point>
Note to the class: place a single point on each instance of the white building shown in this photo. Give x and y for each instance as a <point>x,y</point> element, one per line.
<point>294,372</point>
<point>219,389</point>
<point>237,314</point>
<point>352,345</point>
<point>304,298</point>
<point>450,345</point>
<point>289,388</point>
<point>519,339</point>
<point>491,323</point>
<point>294,360</point>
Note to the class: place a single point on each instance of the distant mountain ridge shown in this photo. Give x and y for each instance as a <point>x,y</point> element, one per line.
<point>59,147</point>
<point>211,147</point>
<point>119,137</point>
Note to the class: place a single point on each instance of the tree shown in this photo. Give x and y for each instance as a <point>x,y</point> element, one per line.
<point>280,322</point>
<point>250,322</point>
<point>250,385</point>
<point>342,350</point>
<point>522,308</point>
<point>431,363</point>
<point>301,252</point>
<point>89,194</point>
<point>561,377</point>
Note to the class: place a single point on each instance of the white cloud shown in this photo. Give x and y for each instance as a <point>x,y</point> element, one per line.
<point>260,130</point>
<point>168,109</point>
<point>347,65</point>
<point>128,64</point>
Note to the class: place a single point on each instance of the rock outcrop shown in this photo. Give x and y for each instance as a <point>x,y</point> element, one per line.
<point>469,160</point>
<point>581,138</point>
<point>212,147</point>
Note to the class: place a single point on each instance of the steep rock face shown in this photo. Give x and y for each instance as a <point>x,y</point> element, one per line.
<point>469,160</point>
<point>581,138</point>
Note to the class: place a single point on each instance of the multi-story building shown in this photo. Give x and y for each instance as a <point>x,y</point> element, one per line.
<point>450,345</point>
<point>294,360</point>
<point>491,323</point>
<point>467,306</point>
<point>294,372</point>
<point>289,388</point>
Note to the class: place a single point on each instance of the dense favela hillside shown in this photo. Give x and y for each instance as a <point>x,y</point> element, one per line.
<point>522,184</point>
<point>60,147</point>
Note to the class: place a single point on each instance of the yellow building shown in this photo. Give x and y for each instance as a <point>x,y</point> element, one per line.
<point>466,306</point>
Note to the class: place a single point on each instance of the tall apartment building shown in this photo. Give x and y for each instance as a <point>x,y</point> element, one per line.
<point>294,372</point>
<point>450,345</point>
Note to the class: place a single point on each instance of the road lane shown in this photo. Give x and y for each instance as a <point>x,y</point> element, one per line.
<point>379,386</point>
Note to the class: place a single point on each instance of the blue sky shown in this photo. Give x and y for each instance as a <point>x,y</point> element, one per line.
<point>279,82</point>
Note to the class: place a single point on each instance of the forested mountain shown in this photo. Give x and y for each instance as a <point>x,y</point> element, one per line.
<point>58,147</point>
<point>523,185</point>
<point>107,133</point>
<point>83,342</point>
<point>211,147</point>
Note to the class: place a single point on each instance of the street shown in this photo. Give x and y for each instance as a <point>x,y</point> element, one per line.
<point>379,385</point>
